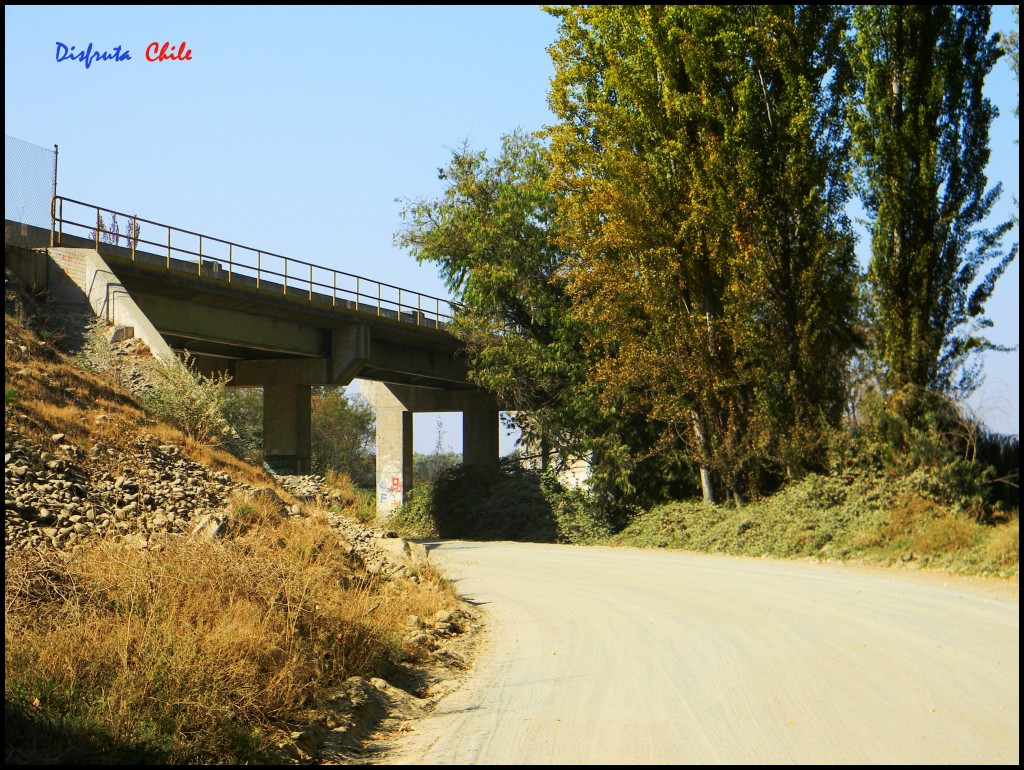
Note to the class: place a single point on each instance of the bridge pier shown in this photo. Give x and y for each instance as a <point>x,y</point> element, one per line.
<point>286,428</point>
<point>395,406</point>
<point>480,437</point>
<point>394,459</point>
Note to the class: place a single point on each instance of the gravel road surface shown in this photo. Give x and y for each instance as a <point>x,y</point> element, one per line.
<point>623,656</point>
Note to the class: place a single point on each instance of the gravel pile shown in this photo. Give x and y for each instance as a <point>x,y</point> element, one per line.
<point>311,487</point>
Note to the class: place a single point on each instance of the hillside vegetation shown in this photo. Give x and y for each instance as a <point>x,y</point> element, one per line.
<point>166,602</point>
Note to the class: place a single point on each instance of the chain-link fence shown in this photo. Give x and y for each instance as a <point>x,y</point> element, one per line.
<point>30,174</point>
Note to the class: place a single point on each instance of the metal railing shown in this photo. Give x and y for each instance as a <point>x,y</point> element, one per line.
<point>209,258</point>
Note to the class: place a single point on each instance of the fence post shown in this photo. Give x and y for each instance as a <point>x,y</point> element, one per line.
<point>53,198</point>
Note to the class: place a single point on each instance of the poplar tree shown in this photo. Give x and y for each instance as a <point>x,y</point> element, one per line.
<point>700,166</point>
<point>921,129</point>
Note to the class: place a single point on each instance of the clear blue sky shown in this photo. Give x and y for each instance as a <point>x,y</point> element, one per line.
<point>295,129</point>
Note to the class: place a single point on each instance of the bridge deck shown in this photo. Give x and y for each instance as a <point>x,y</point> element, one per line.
<point>186,254</point>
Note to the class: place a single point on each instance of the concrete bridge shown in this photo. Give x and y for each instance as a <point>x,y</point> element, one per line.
<point>272,322</point>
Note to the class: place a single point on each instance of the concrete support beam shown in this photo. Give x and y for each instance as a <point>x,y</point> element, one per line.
<point>417,362</point>
<point>81,275</point>
<point>350,351</point>
<point>394,459</point>
<point>286,428</point>
<point>433,400</point>
<point>480,437</point>
<point>283,371</point>
<point>236,327</point>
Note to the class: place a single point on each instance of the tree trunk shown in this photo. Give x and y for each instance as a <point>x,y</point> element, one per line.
<point>707,483</point>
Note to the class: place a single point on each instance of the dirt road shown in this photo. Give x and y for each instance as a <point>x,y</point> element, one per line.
<point>609,656</point>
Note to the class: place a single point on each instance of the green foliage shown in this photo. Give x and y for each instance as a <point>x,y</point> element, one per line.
<point>893,521</point>
<point>702,205</point>
<point>177,393</point>
<point>243,410</point>
<point>579,517</point>
<point>427,468</point>
<point>11,395</point>
<point>501,503</point>
<point>921,127</point>
<point>669,286</point>
<point>1010,42</point>
<point>491,234</point>
<point>926,437</point>
<point>343,433</point>
<point>415,517</point>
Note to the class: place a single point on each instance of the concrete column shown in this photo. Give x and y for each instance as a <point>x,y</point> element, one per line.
<point>394,459</point>
<point>286,428</point>
<point>480,437</point>
<point>394,446</point>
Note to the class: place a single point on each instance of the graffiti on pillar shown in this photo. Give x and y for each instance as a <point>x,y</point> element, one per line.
<point>391,493</point>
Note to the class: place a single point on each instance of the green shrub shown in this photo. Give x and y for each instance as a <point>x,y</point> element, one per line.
<point>578,516</point>
<point>415,518</point>
<point>506,502</point>
<point>178,393</point>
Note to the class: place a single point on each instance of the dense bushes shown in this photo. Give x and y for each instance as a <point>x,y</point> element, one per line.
<point>507,502</point>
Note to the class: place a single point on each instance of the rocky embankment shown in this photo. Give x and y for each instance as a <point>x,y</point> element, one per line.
<point>57,496</point>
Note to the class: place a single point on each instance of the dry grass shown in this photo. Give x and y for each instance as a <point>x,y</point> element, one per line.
<point>204,643</point>
<point>358,503</point>
<point>1002,546</point>
<point>56,396</point>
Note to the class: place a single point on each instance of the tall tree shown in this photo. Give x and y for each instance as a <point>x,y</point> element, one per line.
<point>921,130</point>
<point>699,163</point>
<point>794,297</point>
<point>492,233</point>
